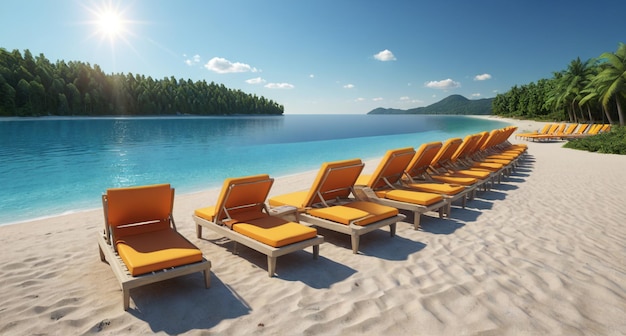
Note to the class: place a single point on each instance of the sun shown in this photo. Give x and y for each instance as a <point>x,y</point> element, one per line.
<point>110,24</point>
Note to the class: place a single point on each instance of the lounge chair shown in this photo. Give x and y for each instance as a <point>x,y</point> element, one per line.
<point>553,133</point>
<point>383,187</point>
<point>140,240</point>
<point>442,167</point>
<point>416,177</point>
<point>420,169</point>
<point>242,216</point>
<point>329,204</point>
<point>543,130</point>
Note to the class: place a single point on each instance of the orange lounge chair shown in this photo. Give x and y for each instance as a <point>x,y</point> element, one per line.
<point>242,216</point>
<point>442,167</point>
<point>544,130</point>
<point>415,179</point>
<point>382,187</point>
<point>140,240</point>
<point>328,203</point>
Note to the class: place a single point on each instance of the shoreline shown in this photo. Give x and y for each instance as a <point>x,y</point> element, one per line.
<point>541,253</point>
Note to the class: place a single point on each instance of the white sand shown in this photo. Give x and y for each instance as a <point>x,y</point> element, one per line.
<point>542,253</point>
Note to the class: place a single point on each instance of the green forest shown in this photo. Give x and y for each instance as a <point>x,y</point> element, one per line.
<point>591,91</point>
<point>34,86</point>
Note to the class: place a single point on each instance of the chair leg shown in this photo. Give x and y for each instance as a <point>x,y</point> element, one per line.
<point>126,298</point>
<point>316,251</point>
<point>102,257</point>
<point>271,266</point>
<point>416,220</point>
<point>355,243</point>
<point>198,231</point>
<point>207,278</point>
<point>392,229</point>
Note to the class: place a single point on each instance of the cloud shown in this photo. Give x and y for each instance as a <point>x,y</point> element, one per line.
<point>191,61</point>
<point>378,99</point>
<point>222,66</point>
<point>360,99</point>
<point>311,76</point>
<point>404,98</point>
<point>445,84</point>
<point>257,80</point>
<point>279,86</point>
<point>475,94</point>
<point>482,77</point>
<point>348,86</point>
<point>385,56</point>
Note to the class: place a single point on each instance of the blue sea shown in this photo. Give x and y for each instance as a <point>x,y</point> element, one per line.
<point>52,166</point>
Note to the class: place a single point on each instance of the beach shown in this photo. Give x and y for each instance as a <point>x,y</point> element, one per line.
<point>542,253</point>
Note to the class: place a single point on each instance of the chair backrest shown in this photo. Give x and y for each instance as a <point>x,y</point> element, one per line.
<point>553,128</point>
<point>445,152</point>
<point>605,128</point>
<point>391,167</point>
<point>133,210</point>
<point>545,129</point>
<point>242,194</point>
<point>421,160</point>
<point>334,180</point>
<point>467,147</point>
<point>570,129</point>
<point>581,129</point>
<point>594,129</point>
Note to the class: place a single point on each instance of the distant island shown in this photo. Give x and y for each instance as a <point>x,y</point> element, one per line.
<point>454,104</point>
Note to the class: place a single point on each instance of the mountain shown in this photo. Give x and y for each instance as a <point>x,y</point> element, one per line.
<point>454,104</point>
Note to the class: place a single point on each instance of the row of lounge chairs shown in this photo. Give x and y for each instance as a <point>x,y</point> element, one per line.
<point>141,243</point>
<point>562,131</point>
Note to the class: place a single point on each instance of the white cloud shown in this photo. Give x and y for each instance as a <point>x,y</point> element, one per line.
<point>385,56</point>
<point>445,84</point>
<point>348,86</point>
<point>191,61</point>
<point>257,80</point>
<point>377,99</point>
<point>279,86</point>
<point>482,77</point>
<point>222,66</point>
<point>475,94</point>
<point>404,98</point>
<point>360,99</point>
<point>311,76</point>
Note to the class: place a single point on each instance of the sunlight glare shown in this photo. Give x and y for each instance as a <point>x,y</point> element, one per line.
<point>110,24</point>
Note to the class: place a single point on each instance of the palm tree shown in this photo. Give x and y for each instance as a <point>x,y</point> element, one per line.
<point>611,81</point>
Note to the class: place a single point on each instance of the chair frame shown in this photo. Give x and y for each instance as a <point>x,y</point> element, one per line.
<point>108,253</point>
<point>271,252</point>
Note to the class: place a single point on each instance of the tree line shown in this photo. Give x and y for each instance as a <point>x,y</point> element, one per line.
<point>34,86</point>
<point>591,91</point>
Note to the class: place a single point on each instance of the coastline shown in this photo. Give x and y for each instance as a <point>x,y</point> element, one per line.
<point>542,253</point>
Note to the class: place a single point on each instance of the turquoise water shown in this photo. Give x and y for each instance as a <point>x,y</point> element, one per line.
<point>54,166</point>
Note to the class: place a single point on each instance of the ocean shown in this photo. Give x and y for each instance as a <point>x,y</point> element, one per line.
<point>53,166</point>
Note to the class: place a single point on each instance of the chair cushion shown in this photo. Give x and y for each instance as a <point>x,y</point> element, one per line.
<point>358,213</point>
<point>275,231</point>
<point>438,188</point>
<point>157,250</point>
<point>296,199</point>
<point>207,213</point>
<point>464,181</point>
<point>413,197</point>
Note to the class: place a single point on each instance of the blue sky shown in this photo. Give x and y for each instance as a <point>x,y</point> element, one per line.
<point>324,56</point>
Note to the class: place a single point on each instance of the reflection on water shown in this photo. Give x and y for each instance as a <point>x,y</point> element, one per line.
<point>50,166</point>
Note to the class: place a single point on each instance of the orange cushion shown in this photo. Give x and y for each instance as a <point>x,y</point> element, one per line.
<point>207,213</point>
<point>358,213</point>
<point>408,196</point>
<point>296,199</point>
<point>157,250</point>
<point>274,231</point>
<point>438,188</point>
<point>464,181</point>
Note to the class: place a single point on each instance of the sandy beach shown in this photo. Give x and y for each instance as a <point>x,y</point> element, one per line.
<point>543,253</point>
